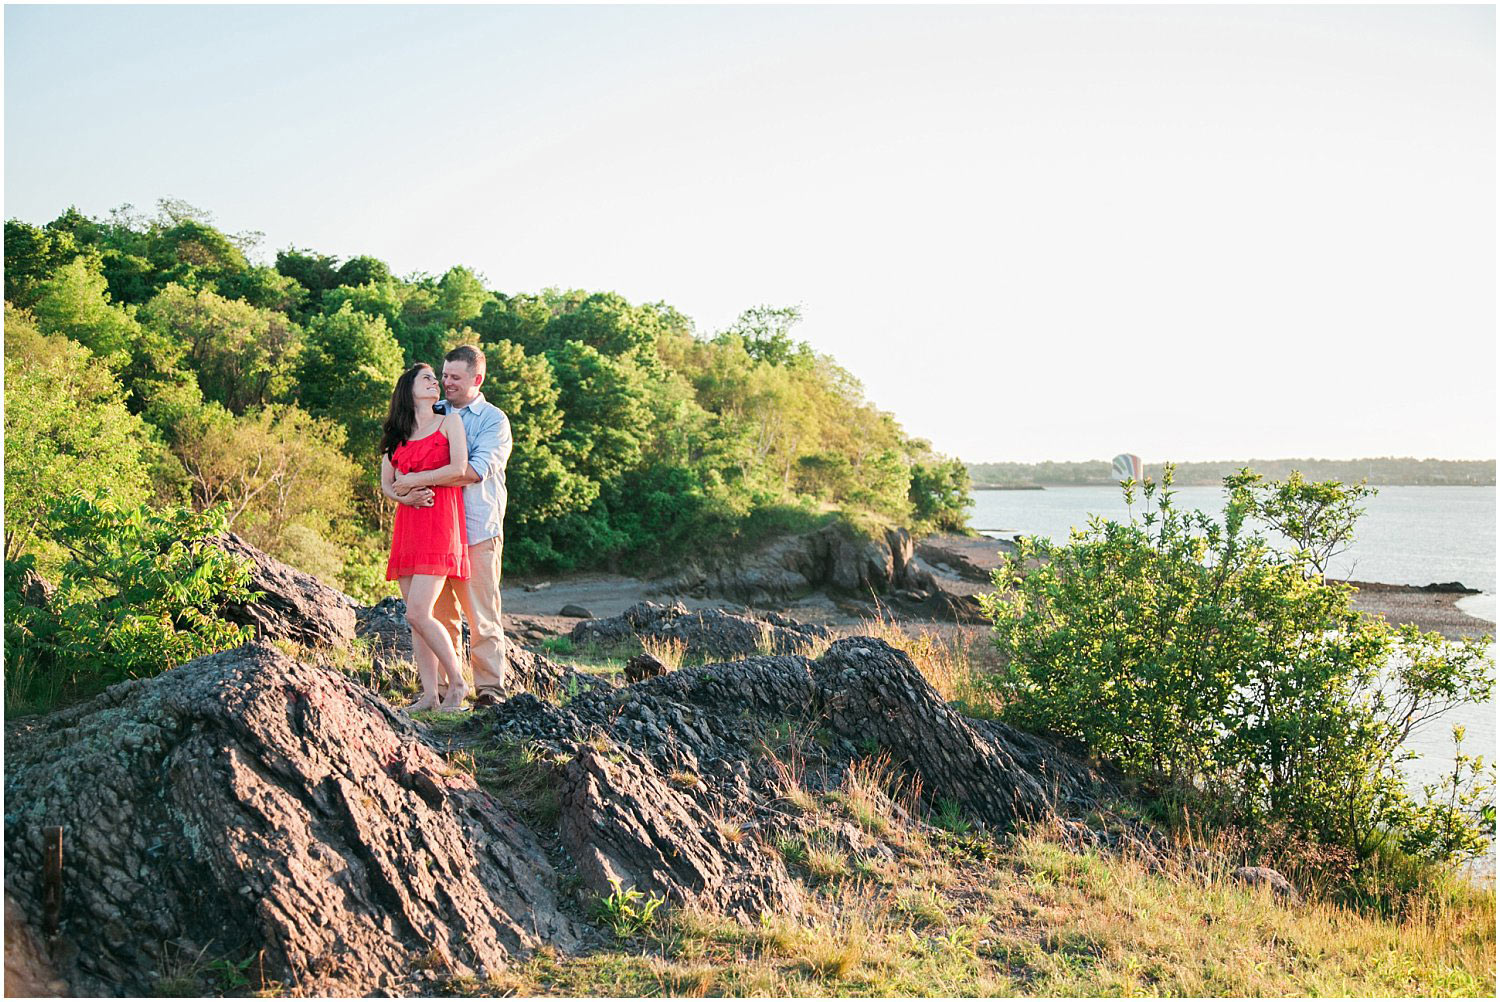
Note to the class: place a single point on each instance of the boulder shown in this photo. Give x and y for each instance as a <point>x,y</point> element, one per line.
<point>295,606</point>
<point>1449,588</point>
<point>575,611</point>
<point>246,805</point>
<point>1264,876</point>
<point>384,628</point>
<point>642,667</point>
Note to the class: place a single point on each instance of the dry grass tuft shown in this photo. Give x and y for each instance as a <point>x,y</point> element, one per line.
<point>826,864</point>
<point>729,830</point>
<point>668,650</point>
<point>766,643</point>
<point>878,795</point>
<point>947,664</point>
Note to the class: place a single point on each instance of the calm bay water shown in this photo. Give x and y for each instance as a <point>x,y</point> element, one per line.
<point>1409,535</point>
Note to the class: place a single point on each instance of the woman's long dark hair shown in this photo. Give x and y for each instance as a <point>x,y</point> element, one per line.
<point>402,420</point>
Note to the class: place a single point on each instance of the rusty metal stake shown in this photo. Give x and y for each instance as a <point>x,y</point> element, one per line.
<point>52,882</point>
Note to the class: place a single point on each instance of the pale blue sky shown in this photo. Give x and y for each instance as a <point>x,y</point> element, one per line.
<point>1190,233</point>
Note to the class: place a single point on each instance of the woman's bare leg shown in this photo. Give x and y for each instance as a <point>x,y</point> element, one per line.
<point>458,685</point>
<point>425,658</point>
<point>421,596</point>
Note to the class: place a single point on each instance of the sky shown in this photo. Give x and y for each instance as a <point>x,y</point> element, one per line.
<point>1031,232</point>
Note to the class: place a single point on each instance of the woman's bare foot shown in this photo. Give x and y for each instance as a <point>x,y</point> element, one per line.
<point>454,701</point>
<point>427,702</point>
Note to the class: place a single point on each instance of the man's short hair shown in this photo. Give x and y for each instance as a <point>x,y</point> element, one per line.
<point>469,355</point>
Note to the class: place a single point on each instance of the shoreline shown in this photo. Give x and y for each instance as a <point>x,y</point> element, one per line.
<point>536,605</point>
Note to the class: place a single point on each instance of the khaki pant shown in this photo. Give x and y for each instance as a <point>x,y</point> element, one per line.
<point>486,629</point>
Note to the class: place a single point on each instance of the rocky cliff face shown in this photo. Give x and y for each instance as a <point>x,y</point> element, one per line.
<point>252,806</point>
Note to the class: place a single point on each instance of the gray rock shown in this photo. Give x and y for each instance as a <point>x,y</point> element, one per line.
<point>295,606</point>
<point>1264,876</point>
<point>575,611</point>
<point>626,828</point>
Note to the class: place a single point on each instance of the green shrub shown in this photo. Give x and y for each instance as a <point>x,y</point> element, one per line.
<point>141,592</point>
<point>1201,659</point>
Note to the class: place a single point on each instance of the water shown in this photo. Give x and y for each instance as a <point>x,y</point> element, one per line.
<point>1409,535</point>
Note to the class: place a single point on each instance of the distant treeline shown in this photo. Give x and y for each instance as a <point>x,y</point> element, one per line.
<point>1388,470</point>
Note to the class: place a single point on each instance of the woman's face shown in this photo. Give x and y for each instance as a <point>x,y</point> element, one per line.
<point>426,386</point>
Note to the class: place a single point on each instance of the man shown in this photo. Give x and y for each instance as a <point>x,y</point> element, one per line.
<point>488,431</point>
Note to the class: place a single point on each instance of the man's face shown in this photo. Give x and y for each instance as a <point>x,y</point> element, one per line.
<point>460,382</point>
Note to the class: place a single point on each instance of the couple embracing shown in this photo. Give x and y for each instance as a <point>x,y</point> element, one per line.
<point>443,456</point>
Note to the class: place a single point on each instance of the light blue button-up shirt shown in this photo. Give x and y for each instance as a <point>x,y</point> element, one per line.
<point>488,431</point>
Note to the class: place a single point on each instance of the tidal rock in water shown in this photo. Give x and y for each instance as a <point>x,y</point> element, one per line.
<point>246,805</point>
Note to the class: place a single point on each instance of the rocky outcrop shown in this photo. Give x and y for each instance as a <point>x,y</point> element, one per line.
<point>625,828</point>
<point>862,699</point>
<point>245,805</point>
<point>703,633</point>
<point>834,557</point>
<point>383,627</point>
<point>293,605</point>
<point>248,805</point>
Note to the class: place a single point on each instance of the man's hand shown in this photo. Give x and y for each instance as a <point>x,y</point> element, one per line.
<point>417,497</point>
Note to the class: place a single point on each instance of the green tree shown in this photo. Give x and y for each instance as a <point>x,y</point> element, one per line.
<point>364,270</point>
<point>74,301</point>
<point>604,406</point>
<point>31,255</point>
<point>765,334</point>
<point>243,356</point>
<point>460,297</point>
<point>317,273</point>
<point>940,494</point>
<point>609,324</point>
<point>281,477</point>
<point>541,485</point>
<point>66,428</point>
<point>349,366</point>
<point>193,253</point>
<point>377,299</point>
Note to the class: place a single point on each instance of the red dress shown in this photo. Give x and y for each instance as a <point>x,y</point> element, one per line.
<point>428,540</point>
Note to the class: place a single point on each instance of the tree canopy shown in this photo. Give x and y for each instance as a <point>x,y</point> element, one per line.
<point>194,374</point>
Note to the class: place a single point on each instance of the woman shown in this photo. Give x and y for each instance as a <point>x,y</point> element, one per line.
<point>429,544</point>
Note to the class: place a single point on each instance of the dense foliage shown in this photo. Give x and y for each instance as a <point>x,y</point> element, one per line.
<point>154,359</point>
<point>141,590</point>
<point>1384,470</point>
<point>1201,659</point>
